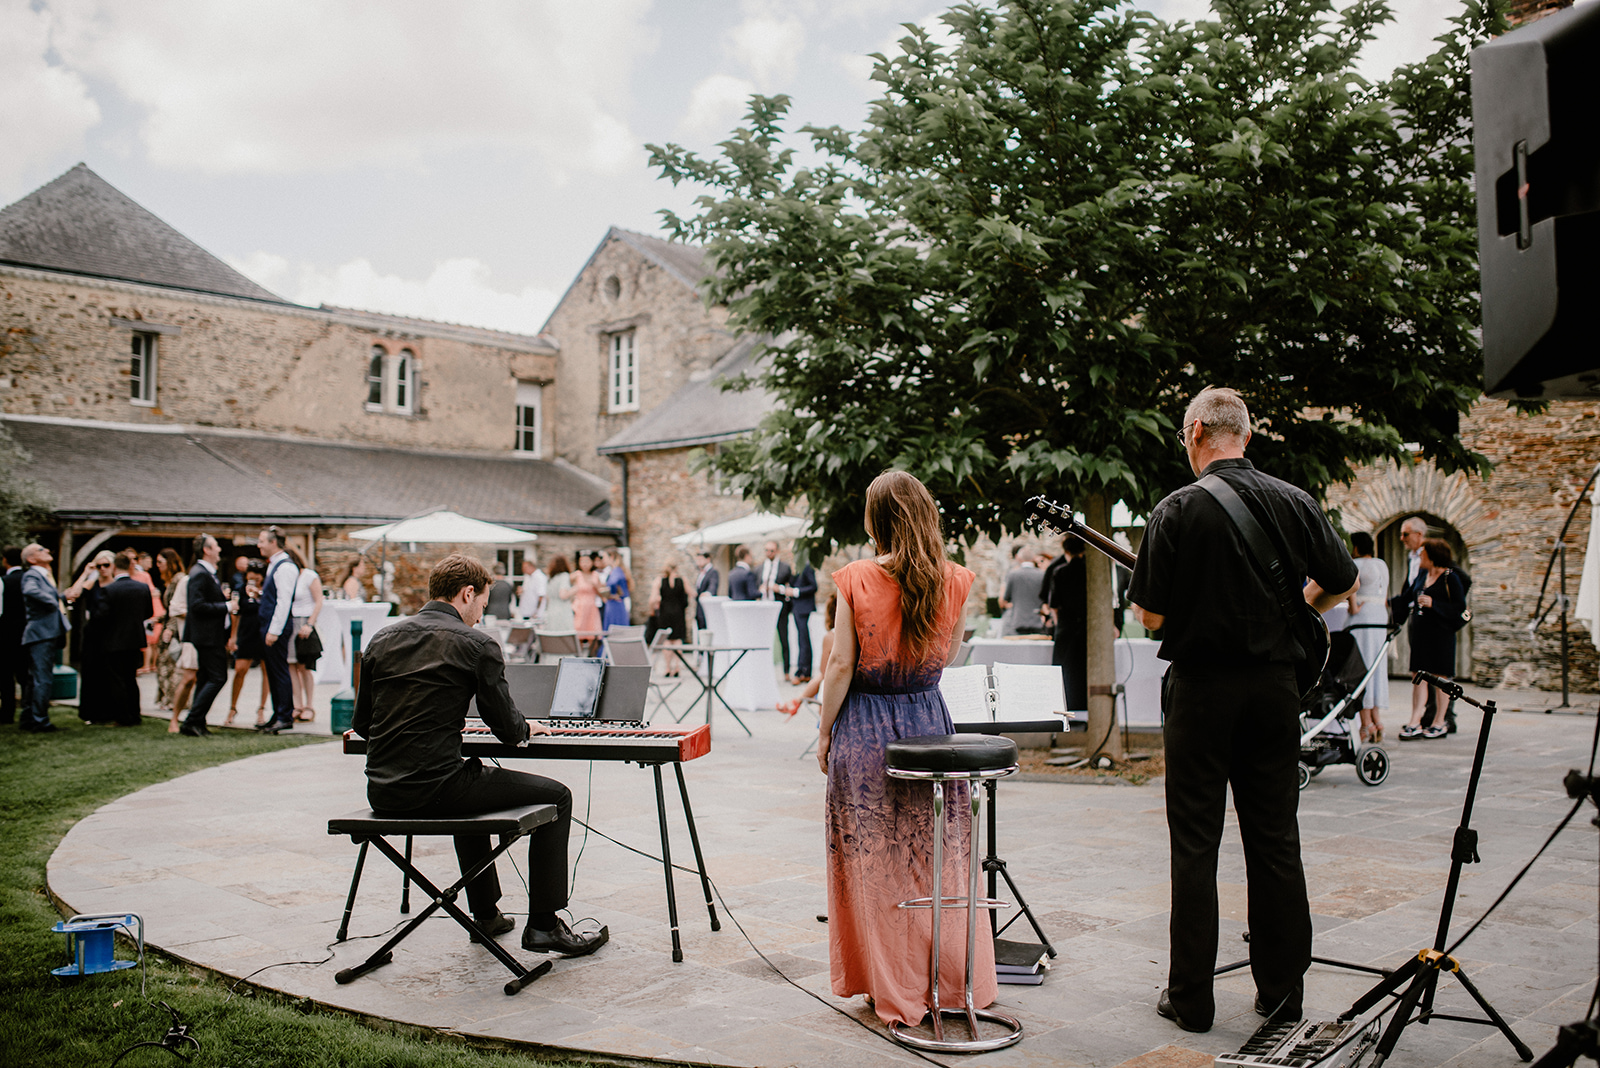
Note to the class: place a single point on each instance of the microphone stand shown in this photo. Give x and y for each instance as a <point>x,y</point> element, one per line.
<point>1421,972</point>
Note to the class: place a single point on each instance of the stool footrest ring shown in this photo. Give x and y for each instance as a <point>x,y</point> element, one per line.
<point>953,902</point>
<point>904,1035</point>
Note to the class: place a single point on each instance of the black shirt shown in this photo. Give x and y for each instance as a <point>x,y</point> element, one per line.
<point>1195,570</point>
<point>417,678</point>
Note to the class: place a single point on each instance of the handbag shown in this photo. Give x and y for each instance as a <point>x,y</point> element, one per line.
<point>1305,622</point>
<point>308,650</point>
<point>1458,622</point>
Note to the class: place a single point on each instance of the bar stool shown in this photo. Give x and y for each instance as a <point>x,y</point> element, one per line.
<point>968,758</point>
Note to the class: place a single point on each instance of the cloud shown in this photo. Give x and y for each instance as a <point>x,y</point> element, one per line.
<point>716,104</point>
<point>304,85</point>
<point>48,109</point>
<point>769,46</point>
<point>458,291</point>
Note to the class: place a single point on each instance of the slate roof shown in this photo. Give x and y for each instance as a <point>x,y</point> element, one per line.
<point>684,262</point>
<point>701,412</point>
<point>122,472</point>
<point>542,344</point>
<point>80,224</point>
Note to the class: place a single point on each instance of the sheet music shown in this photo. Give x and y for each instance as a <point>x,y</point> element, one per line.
<point>966,692</point>
<point>1028,691</point>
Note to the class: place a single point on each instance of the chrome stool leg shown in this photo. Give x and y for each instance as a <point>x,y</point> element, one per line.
<point>903,1034</point>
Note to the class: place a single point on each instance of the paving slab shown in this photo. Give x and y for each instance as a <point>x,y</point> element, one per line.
<point>232,869</point>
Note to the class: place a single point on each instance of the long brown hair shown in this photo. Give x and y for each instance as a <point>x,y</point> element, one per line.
<point>904,521</point>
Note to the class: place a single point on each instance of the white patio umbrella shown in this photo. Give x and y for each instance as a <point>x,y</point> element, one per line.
<point>757,526</point>
<point>446,527</point>
<point>1587,609</point>
<point>441,526</point>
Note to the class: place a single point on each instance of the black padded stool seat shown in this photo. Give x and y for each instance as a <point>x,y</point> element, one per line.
<point>368,827</point>
<point>952,753</point>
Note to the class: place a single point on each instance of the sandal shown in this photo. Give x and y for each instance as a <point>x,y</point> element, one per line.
<point>305,715</point>
<point>1434,732</point>
<point>234,711</point>
<point>1409,732</point>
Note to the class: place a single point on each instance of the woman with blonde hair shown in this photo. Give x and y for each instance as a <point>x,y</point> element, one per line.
<point>897,624</point>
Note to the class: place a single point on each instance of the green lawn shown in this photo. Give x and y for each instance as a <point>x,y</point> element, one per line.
<point>49,782</point>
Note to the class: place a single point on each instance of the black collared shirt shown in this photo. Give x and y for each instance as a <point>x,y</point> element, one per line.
<point>417,678</point>
<point>1195,570</point>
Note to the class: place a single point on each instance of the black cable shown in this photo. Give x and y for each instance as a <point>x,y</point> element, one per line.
<point>176,1035</point>
<point>1594,751</point>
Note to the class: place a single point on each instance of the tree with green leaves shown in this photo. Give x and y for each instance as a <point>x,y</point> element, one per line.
<point>24,506</point>
<point>1053,231</point>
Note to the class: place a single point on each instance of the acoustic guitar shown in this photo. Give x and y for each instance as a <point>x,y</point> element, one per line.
<point>1307,625</point>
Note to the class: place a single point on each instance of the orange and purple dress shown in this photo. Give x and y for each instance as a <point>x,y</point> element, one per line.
<point>880,830</point>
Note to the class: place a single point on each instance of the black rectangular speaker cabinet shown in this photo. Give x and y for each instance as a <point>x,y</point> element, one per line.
<point>1536,141</point>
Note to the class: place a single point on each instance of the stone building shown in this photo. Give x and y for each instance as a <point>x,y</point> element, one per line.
<point>161,393</point>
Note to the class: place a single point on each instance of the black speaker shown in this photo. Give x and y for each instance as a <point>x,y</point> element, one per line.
<point>1536,140</point>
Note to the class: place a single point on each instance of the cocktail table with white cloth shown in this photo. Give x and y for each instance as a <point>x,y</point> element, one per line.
<point>333,626</point>
<point>1138,669</point>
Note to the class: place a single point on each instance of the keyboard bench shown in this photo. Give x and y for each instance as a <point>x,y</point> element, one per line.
<point>367,827</point>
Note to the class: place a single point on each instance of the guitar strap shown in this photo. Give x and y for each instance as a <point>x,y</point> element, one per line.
<point>1256,540</point>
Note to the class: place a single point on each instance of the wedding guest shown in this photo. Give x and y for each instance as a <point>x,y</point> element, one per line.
<point>535,588</point>
<point>353,583</point>
<point>1368,625</point>
<point>303,614</point>
<point>558,614</point>
<point>245,643</point>
<point>586,596</point>
<point>615,592</point>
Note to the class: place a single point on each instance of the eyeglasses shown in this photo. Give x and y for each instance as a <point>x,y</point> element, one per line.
<point>1184,430</point>
<point>102,567</point>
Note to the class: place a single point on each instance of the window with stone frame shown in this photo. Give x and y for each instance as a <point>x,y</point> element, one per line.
<point>391,381</point>
<point>142,369</point>
<point>530,405</point>
<point>622,380</point>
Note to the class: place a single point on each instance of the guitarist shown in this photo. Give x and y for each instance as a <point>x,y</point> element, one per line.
<point>1231,704</point>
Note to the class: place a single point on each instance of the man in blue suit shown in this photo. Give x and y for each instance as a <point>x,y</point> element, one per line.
<point>707,583</point>
<point>743,583</point>
<point>804,603</point>
<point>13,669</point>
<point>206,628</point>
<point>42,635</point>
<point>125,605</point>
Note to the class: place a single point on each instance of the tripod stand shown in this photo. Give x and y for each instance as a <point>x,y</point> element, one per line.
<point>1420,974</point>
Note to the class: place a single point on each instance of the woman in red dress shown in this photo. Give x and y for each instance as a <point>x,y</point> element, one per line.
<point>898,623</point>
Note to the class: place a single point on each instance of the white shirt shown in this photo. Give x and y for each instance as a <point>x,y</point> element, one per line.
<point>284,579</point>
<point>1413,564</point>
<point>304,603</point>
<point>769,576</point>
<point>535,588</point>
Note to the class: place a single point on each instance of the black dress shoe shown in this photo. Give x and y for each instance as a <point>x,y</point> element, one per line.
<point>500,924</point>
<point>564,940</point>
<point>197,731</point>
<point>276,726</point>
<point>1164,1009</point>
<point>1283,1012</point>
<point>41,728</point>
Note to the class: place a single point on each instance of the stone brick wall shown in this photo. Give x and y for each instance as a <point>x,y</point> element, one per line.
<point>64,350</point>
<point>1508,522</point>
<point>675,336</point>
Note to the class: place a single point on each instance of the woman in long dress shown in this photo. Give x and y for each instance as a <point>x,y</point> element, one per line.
<point>1368,625</point>
<point>558,613</point>
<point>585,596</point>
<point>898,623</point>
<point>616,593</point>
<point>94,672</point>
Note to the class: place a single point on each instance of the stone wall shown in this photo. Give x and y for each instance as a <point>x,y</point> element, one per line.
<point>64,351</point>
<point>675,336</point>
<point>1508,522</point>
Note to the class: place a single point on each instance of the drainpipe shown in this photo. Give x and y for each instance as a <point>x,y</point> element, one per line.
<point>624,458</point>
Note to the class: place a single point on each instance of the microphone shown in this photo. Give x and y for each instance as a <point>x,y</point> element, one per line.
<point>1448,686</point>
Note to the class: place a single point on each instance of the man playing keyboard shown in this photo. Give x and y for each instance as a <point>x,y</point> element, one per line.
<point>417,678</point>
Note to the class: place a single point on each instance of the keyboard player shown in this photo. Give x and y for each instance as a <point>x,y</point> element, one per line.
<point>417,678</point>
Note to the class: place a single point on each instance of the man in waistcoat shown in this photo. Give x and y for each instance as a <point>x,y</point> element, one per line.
<point>277,597</point>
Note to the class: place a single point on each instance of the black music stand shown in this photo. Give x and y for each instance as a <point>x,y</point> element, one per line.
<point>1420,974</point>
<point>992,864</point>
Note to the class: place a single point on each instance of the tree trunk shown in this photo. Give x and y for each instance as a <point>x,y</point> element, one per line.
<point>1102,638</point>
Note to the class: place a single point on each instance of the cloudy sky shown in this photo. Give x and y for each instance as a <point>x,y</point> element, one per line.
<point>452,161</point>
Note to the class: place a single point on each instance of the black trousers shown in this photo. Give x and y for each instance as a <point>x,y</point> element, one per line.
<point>275,661</point>
<point>783,634</point>
<point>13,672</point>
<point>485,788</point>
<point>1071,651</point>
<point>122,685</point>
<point>211,675</point>
<point>1237,730</point>
<point>802,645</point>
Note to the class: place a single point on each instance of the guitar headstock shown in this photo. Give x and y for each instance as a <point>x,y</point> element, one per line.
<point>1048,517</point>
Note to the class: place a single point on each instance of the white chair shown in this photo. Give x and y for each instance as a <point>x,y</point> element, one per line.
<point>556,643</point>
<point>625,632</point>
<point>633,652</point>
<point>520,640</point>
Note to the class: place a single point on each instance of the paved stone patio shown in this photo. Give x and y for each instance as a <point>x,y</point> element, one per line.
<point>233,870</point>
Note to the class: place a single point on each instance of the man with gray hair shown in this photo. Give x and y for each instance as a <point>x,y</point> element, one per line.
<point>43,633</point>
<point>1231,703</point>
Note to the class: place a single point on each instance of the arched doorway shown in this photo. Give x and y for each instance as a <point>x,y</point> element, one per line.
<point>1393,553</point>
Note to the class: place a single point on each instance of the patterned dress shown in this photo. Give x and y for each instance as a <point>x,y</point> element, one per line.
<point>880,830</point>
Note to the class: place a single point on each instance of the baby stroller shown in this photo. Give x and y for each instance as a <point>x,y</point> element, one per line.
<point>1328,728</point>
